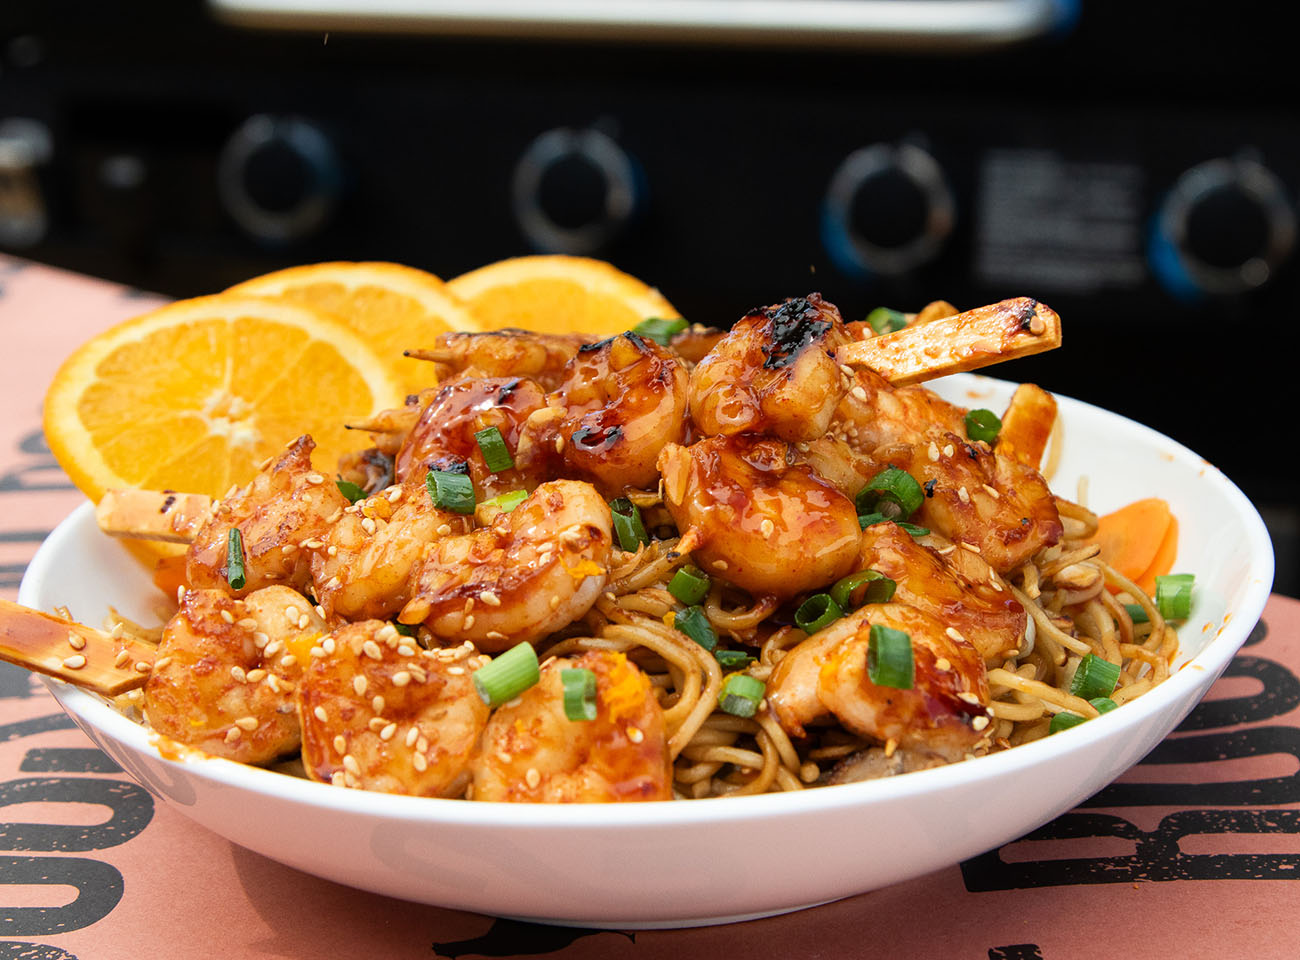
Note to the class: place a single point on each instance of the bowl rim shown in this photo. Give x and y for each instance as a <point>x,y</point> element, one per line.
<point>1113,726</point>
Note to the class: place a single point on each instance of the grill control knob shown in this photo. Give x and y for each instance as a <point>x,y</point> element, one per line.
<point>1224,228</point>
<point>279,178</point>
<point>888,210</point>
<point>574,191</point>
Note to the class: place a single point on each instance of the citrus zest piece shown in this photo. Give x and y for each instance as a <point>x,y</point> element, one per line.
<point>558,294</point>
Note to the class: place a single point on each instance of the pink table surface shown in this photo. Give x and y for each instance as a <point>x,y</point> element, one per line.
<point>1194,853</point>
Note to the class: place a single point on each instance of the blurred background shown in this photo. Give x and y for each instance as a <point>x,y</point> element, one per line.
<point>1134,165</point>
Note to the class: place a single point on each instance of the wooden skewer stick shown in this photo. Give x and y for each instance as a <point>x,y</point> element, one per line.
<point>72,651</point>
<point>1000,331</point>
<point>151,515</point>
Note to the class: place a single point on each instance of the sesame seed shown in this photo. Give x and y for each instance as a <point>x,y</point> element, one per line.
<point>963,495</point>
<point>419,762</point>
<point>260,639</point>
<point>559,443</point>
<point>233,734</point>
<point>247,723</point>
<point>303,621</point>
<point>315,478</point>
<point>117,630</point>
<point>933,452</point>
<point>991,492</point>
<point>76,642</point>
<point>979,723</point>
<point>74,662</point>
<point>943,664</point>
<point>422,744</point>
<point>848,371</point>
<point>401,678</point>
<point>256,676</point>
<point>340,744</point>
<point>317,652</point>
<point>372,650</point>
<point>121,659</point>
<point>416,672</point>
<point>350,765</point>
<point>288,548</point>
<point>995,585</point>
<point>238,673</point>
<point>859,393</point>
<point>490,598</point>
<point>275,683</point>
<point>377,703</point>
<point>444,530</point>
<point>321,715</point>
<point>375,724</point>
<point>336,779</point>
<point>947,450</point>
<point>495,635</point>
<point>359,685</point>
<point>394,494</point>
<point>161,662</point>
<point>368,525</point>
<point>332,551</point>
<point>350,779</point>
<point>388,731</point>
<point>970,546</point>
<point>273,648</point>
<point>291,613</point>
<point>226,616</point>
<point>634,734</point>
<point>969,698</point>
<point>720,564</point>
<point>456,671</point>
<point>532,778</point>
<point>767,526</point>
<point>412,735</point>
<point>329,645</point>
<point>320,611</point>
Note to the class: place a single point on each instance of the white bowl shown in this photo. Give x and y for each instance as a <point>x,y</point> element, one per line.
<point>707,861</point>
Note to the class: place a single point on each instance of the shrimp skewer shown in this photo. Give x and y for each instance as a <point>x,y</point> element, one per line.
<point>81,655</point>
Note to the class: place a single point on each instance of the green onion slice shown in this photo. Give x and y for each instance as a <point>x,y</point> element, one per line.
<point>627,524</point>
<point>817,612</point>
<point>871,519</point>
<point>889,658</point>
<point>884,320</point>
<point>659,330</point>
<point>690,585</point>
<point>507,676</point>
<point>1094,677</point>
<point>235,559</point>
<point>1064,720</point>
<point>493,447</point>
<point>1174,595</point>
<point>741,694</point>
<point>350,490</point>
<point>983,425</point>
<point>579,693</point>
<point>695,624</point>
<point>914,530</point>
<point>863,587</point>
<point>892,492</point>
<point>1104,704</point>
<point>450,491</point>
<point>505,502</point>
<point>733,659</point>
<point>1137,613</point>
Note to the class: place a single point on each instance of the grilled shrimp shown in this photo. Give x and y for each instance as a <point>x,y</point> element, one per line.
<point>774,373</point>
<point>992,504</point>
<point>759,518</point>
<point>364,568</point>
<point>226,669</point>
<point>624,398</point>
<point>508,352</point>
<point>379,713</point>
<point>527,574</point>
<point>874,413</point>
<point>444,436</point>
<point>944,713</point>
<point>532,752</point>
<point>992,620</point>
<point>280,515</point>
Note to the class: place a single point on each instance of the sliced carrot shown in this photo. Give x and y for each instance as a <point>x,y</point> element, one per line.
<point>1164,559</point>
<point>1131,537</point>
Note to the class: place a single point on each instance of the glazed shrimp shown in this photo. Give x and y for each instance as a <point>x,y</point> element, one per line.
<point>508,352</point>
<point>944,713</point>
<point>281,516</point>
<point>774,373</point>
<point>364,567</point>
<point>532,752</point>
<point>624,398</point>
<point>993,505</point>
<point>758,518</point>
<point>529,573</point>
<point>379,713</point>
<point>991,619</point>
<point>874,413</point>
<point>444,436</point>
<point>226,670</point>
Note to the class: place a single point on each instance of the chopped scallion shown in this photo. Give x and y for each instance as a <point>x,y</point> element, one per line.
<point>883,320</point>
<point>1063,721</point>
<point>892,492</point>
<point>235,559</point>
<point>733,659</point>
<point>1174,595</point>
<point>493,447</point>
<point>861,588</point>
<point>1094,677</point>
<point>1137,613</point>
<point>741,694</point>
<point>983,425</point>
<point>507,676</point>
<point>505,502</point>
<point>659,330</point>
<point>450,491</point>
<point>816,613</point>
<point>350,490</point>
<point>889,658</point>
<point>579,693</point>
<point>690,585</point>
<point>628,527</point>
<point>1104,704</point>
<point>695,624</point>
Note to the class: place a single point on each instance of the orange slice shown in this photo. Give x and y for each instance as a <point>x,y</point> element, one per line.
<point>558,294</point>
<point>394,307</point>
<point>194,395</point>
